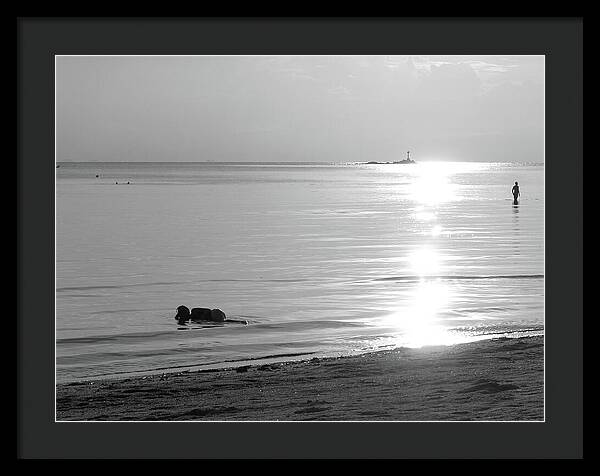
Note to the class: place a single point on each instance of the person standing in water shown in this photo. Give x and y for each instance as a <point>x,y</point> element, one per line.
<point>516,193</point>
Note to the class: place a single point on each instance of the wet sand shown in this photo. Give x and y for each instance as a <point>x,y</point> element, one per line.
<point>499,379</point>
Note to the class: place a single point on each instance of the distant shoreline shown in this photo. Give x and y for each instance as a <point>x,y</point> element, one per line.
<point>492,380</point>
<point>205,162</point>
<point>392,163</point>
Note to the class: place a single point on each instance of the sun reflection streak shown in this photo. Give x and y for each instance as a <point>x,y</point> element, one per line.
<point>425,319</point>
<point>436,230</point>
<point>425,261</point>
<point>432,183</point>
<point>424,215</point>
<point>419,324</point>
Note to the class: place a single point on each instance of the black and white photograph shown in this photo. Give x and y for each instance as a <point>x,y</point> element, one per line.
<point>300,238</point>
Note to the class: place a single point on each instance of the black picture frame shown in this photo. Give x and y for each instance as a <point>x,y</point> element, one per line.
<point>559,39</point>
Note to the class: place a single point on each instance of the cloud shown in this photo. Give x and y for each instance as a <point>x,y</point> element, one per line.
<point>451,82</point>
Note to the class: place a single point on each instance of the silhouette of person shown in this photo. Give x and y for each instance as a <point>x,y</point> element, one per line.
<point>516,193</point>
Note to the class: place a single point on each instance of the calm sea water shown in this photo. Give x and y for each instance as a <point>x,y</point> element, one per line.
<point>321,259</point>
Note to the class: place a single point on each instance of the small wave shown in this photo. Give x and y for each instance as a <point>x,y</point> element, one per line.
<point>478,310</point>
<point>114,286</point>
<point>220,365</point>
<point>306,325</point>
<point>174,283</point>
<point>451,277</point>
<point>253,280</point>
<point>145,336</point>
<point>119,311</point>
<point>111,338</point>
<point>513,332</point>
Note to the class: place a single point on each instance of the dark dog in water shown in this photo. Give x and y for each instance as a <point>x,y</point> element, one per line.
<point>202,314</point>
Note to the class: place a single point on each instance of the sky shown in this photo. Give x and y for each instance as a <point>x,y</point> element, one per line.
<point>299,108</point>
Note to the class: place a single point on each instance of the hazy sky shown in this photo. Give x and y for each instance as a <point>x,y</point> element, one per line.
<point>300,108</point>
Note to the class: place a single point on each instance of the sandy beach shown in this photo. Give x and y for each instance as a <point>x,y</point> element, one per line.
<point>500,379</point>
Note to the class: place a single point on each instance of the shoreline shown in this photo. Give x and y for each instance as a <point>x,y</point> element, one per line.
<point>498,379</point>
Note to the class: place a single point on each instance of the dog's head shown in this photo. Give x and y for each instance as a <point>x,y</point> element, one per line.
<point>183,314</point>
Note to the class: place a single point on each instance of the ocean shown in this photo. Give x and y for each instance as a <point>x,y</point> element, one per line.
<point>321,259</point>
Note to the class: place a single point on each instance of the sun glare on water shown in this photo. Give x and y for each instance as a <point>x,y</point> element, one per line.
<point>419,323</point>
<point>432,184</point>
<point>425,262</point>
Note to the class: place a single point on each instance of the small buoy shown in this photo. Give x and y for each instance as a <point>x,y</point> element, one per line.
<point>97,175</point>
